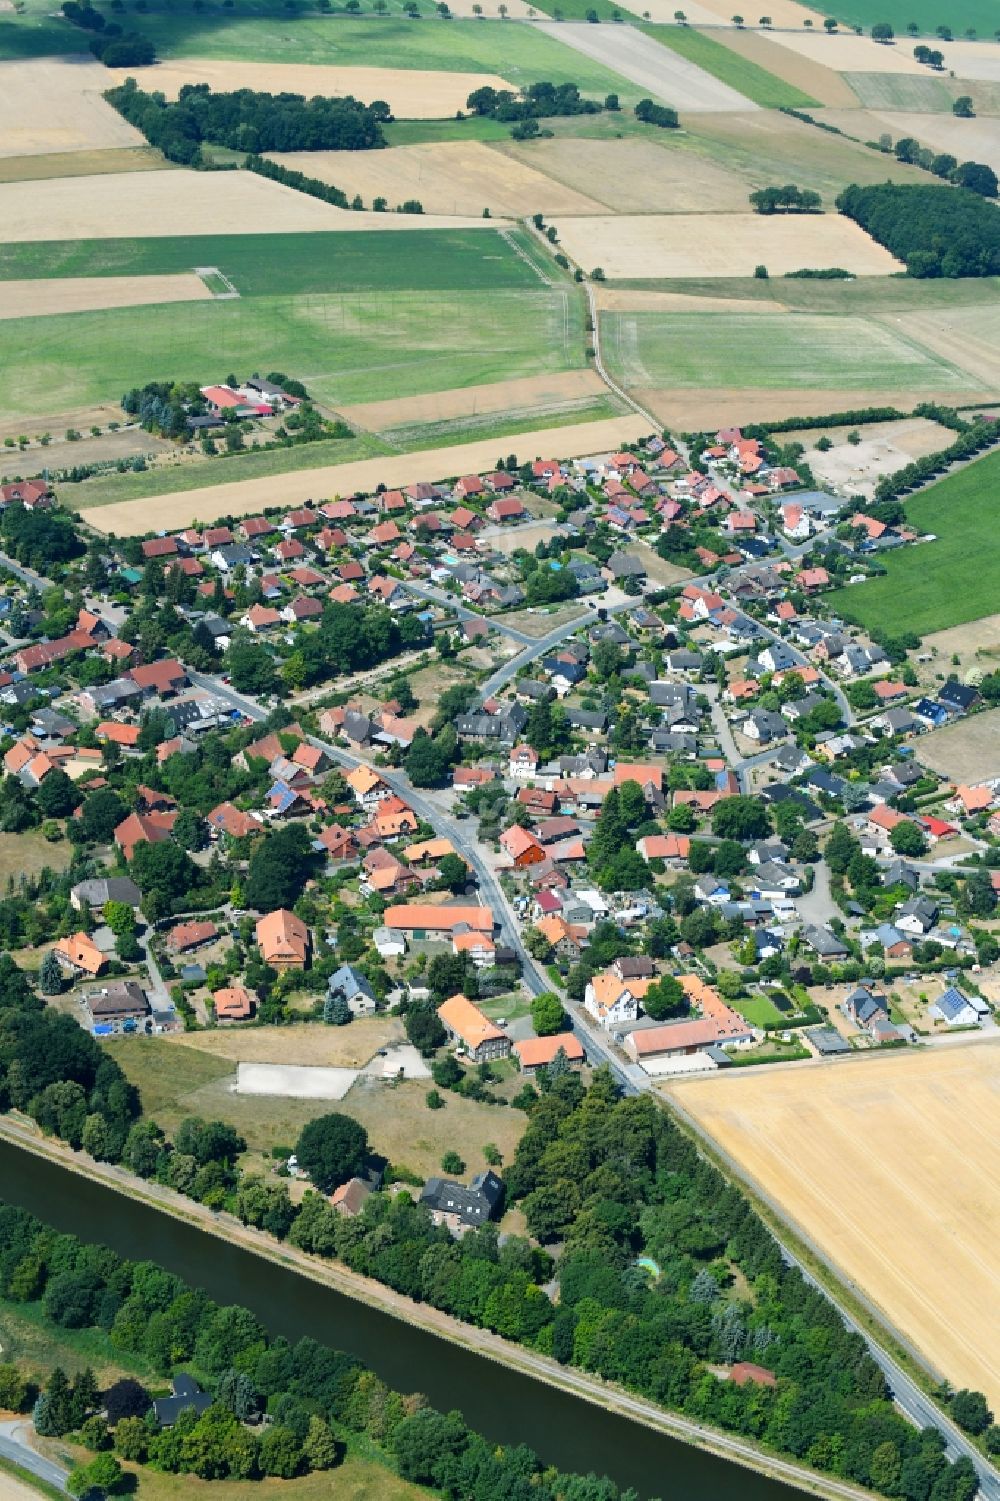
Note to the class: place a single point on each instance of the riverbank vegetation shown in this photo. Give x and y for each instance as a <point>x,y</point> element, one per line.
<point>276,1409</point>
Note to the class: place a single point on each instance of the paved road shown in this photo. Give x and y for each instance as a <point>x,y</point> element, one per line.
<point>27,576</point>
<point>14,1446</point>
<point>462,612</point>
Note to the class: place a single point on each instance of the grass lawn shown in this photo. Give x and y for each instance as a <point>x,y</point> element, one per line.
<point>401,1126</point>
<point>942,583</point>
<point>472,128</point>
<point>261,265</point>
<point>35,1345</point>
<point>358,347</point>
<point>223,470</point>
<point>515,52</point>
<point>982,14</point>
<point>740,73</point>
<point>27,854</point>
<point>762,351</point>
<point>356,1479</point>
<point>759,1011</point>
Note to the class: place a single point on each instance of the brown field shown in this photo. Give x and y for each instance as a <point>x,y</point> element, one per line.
<point>782,12</point>
<point>400,1126</point>
<point>81,163</point>
<point>693,411</point>
<point>807,74</point>
<point>454,177</point>
<point>885,447</point>
<point>156,203</point>
<point>967,751</point>
<point>54,104</point>
<point>62,455</point>
<point>410,93</point>
<point>979,60</point>
<point>27,854</point>
<point>852,54</point>
<point>636,175</point>
<point>81,418</point>
<point>634,300</point>
<point>303,1043</point>
<point>976,645</point>
<point>494,396</point>
<point>866,1160</point>
<point>968,337</point>
<point>134,517</point>
<point>705,245</point>
<point>980,142</point>
<point>78,294</point>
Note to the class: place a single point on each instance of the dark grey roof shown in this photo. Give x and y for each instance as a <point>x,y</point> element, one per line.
<point>187,1393</point>
<point>474,1204</point>
<point>107,889</point>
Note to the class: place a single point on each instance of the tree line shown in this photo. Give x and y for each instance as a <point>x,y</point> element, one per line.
<point>538,101</point>
<point>115,47</point>
<point>313,1397</point>
<point>248,120</point>
<point>934,231</point>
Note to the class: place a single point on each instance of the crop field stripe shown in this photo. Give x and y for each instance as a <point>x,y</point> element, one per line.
<point>729,67</point>
<point>928,14</point>
<point>260,265</point>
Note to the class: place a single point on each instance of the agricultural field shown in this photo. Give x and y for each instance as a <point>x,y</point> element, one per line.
<point>313,262</point>
<point>182,506</point>
<point>39,299</point>
<point>928,14</point>
<point>891,1219</point>
<point>454,178</point>
<point>979,140</point>
<point>538,391</point>
<point>802,350</point>
<point>969,749</point>
<point>345,348</point>
<point>737,72</point>
<point>780,64</point>
<point>846,53</point>
<point>654,246</point>
<point>885,447</point>
<point>410,92</point>
<point>638,173</point>
<point>81,163</point>
<point>520,54</point>
<point>658,71</point>
<point>944,583</point>
<point>75,117</point>
<point>148,203</point>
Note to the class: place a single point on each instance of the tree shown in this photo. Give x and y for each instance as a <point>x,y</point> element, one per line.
<point>336,1011</point>
<point>50,974</point>
<point>102,812</point>
<point>971,1411</point>
<point>102,1474</point>
<point>57,796</point>
<point>452,1163</point>
<point>320,1448</point>
<point>280,866</point>
<point>741,818</point>
<point>126,1398</point>
<point>908,838</point>
<point>665,997</point>
<point>980,897</point>
<point>978,178</point>
<point>882,32</point>
<point>428,760</point>
<point>424,1029</point>
<point>453,872</point>
<point>332,1149</point>
<point>547,1014</point>
<point>962,107</point>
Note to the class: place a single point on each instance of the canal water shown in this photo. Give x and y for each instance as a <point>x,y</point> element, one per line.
<point>501,1403</point>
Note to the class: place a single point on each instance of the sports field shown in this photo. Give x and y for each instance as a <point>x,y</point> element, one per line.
<point>866,1159</point>
<point>740,73</point>
<point>261,264</point>
<point>937,584</point>
<point>763,351</point>
<point>521,54</point>
<point>356,347</point>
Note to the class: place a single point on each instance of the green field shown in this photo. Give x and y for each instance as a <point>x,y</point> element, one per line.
<point>759,1011</point>
<point>740,73</point>
<point>472,128</point>
<point>358,347</point>
<point>259,265</point>
<point>942,583</point>
<point>770,351</point>
<point>927,14</point>
<point>517,53</point>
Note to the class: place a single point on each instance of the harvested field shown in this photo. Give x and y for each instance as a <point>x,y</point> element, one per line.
<point>813,78</point>
<point>82,418</point>
<point>303,1044</point>
<point>62,455</point>
<point>655,69</point>
<point>715,351</point>
<point>966,751</point>
<point>977,647</point>
<point>979,60</point>
<point>497,396</point>
<point>706,245</point>
<point>81,163</point>
<point>451,178</point>
<point>54,104</point>
<point>967,337</point>
<point>627,300</point>
<point>696,411</point>
<point>410,93</point>
<point>976,140</point>
<point>891,1219</point>
<point>635,173</point>
<point>150,204</point>
<point>77,294</point>
<point>132,518</point>
<point>783,13</point>
<point>851,54</point>
<point>885,447</point>
<point>417,436</point>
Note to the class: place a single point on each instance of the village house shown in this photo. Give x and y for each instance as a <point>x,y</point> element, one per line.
<point>283,940</point>
<point>468,1028</point>
<point>80,953</point>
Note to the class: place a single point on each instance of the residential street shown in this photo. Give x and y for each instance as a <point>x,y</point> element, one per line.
<point>14,1446</point>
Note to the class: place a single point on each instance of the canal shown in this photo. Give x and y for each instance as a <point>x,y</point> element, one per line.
<point>501,1403</point>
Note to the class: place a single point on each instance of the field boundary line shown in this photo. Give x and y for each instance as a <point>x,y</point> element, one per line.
<point>523,255</point>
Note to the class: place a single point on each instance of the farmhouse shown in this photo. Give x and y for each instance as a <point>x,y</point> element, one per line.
<point>534,1053</point>
<point>428,920</point>
<point>462,1208</point>
<point>467,1026</point>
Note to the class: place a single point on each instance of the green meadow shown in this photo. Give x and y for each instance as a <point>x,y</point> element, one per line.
<point>933,585</point>
<point>353,347</point>
<point>927,14</point>
<point>259,265</point>
<point>770,351</point>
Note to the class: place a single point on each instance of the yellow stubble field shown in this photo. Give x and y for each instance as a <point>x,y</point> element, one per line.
<point>887,1164</point>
